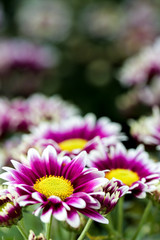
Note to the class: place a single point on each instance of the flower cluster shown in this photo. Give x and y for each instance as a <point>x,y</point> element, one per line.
<point>20,114</point>
<point>62,187</point>
<point>62,167</point>
<point>75,168</point>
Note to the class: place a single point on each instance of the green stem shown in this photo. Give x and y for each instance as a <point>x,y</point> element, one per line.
<point>144,216</point>
<point>59,230</point>
<point>22,230</point>
<point>73,236</point>
<point>48,228</point>
<point>120,215</point>
<point>110,227</point>
<point>86,228</point>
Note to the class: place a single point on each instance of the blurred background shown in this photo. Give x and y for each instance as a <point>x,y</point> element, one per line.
<point>77,49</point>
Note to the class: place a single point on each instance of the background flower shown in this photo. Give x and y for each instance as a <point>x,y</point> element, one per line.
<point>147,129</point>
<point>73,135</point>
<point>131,167</point>
<point>50,20</point>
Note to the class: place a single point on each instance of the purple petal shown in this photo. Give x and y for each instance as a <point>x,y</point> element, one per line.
<point>94,215</point>
<point>46,215</point>
<point>60,213</point>
<point>49,156</point>
<point>54,200</point>
<point>37,211</point>
<point>86,176</point>
<point>73,219</point>
<point>22,198</point>
<point>76,202</point>
<point>7,176</point>
<point>18,176</point>
<point>92,186</point>
<point>26,203</point>
<point>36,163</point>
<point>38,197</point>
<point>24,169</point>
<point>76,166</point>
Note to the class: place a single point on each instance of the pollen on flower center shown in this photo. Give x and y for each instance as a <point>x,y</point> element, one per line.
<point>73,143</point>
<point>53,185</point>
<point>127,176</point>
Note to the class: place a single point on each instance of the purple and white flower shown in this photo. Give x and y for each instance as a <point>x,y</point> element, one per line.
<point>142,73</point>
<point>21,53</point>
<point>132,168</point>
<point>62,187</point>
<point>10,210</point>
<point>138,69</point>
<point>140,26</point>
<point>75,134</point>
<point>113,192</point>
<point>21,114</point>
<point>38,108</point>
<point>52,108</point>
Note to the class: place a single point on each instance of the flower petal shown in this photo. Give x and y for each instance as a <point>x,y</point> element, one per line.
<point>46,215</point>
<point>76,202</point>
<point>73,219</point>
<point>60,213</point>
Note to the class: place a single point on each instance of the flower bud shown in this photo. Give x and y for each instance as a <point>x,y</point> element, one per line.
<point>10,211</point>
<point>32,236</point>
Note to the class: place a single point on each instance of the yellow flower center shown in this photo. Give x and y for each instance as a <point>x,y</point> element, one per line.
<point>71,144</point>
<point>125,175</point>
<point>52,185</point>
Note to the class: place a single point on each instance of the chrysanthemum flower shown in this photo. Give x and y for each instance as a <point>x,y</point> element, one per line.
<point>62,187</point>
<point>139,26</point>
<point>113,192</point>
<point>147,129</point>
<point>38,108</point>
<point>75,134</point>
<point>52,108</point>
<point>10,211</point>
<point>141,67</point>
<point>18,52</point>
<point>20,60</point>
<point>142,72</point>
<point>133,168</point>
<point>21,114</point>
